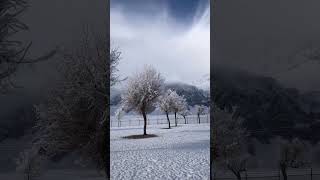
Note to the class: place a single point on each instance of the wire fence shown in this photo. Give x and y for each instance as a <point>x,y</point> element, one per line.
<point>292,174</point>
<point>136,120</point>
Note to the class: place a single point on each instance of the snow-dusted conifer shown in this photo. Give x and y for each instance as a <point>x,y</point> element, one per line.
<point>142,92</point>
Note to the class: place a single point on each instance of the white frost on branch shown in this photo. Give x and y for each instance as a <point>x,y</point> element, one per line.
<point>166,102</point>
<point>119,113</point>
<point>142,92</point>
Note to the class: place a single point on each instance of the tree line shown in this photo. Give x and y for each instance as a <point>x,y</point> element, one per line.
<point>145,92</point>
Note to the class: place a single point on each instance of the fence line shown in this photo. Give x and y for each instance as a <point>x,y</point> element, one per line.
<point>135,120</point>
<point>303,173</point>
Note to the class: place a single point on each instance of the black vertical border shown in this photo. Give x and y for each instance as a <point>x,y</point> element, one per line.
<point>212,36</point>
<point>106,126</point>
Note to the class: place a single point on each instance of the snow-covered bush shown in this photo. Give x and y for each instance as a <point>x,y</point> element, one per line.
<point>142,92</point>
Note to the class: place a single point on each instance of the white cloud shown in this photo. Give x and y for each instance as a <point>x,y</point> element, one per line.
<point>180,53</point>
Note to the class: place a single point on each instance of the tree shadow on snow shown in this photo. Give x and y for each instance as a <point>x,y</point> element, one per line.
<point>166,128</point>
<point>140,136</point>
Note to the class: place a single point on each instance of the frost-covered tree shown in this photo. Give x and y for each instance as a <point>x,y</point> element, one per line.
<point>13,52</point>
<point>75,113</point>
<point>30,164</point>
<point>200,110</point>
<point>292,155</point>
<point>184,113</point>
<point>119,114</point>
<point>184,109</point>
<point>165,103</point>
<point>179,104</point>
<point>142,92</point>
<point>228,143</point>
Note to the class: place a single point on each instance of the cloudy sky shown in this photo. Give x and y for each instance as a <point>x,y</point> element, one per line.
<point>268,37</point>
<point>171,35</point>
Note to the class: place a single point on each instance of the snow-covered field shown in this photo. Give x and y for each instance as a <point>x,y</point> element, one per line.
<point>178,153</point>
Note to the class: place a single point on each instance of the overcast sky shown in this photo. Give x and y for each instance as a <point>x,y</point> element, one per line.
<point>173,36</point>
<point>263,36</point>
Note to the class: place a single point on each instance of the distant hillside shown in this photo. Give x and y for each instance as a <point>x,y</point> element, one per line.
<point>268,108</point>
<point>192,94</point>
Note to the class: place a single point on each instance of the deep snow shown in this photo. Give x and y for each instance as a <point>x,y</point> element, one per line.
<point>178,153</point>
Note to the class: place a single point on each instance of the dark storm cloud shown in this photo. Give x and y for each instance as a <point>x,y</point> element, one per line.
<point>180,50</point>
<point>52,23</point>
<point>182,11</point>
<point>262,36</point>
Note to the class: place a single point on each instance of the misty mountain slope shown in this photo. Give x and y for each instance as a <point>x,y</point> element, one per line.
<point>193,94</point>
<point>268,108</point>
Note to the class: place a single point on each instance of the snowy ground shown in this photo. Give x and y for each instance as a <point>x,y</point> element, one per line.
<point>178,153</point>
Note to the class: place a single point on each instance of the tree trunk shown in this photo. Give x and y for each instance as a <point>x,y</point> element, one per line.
<point>185,120</point>
<point>105,153</point>
<point>284,172</point>
<point>175,119</point>
<point>238,176</point>
<point>237,173</point>
<point>145,123</point>
<point>199,118</point>
<point>168,119</point>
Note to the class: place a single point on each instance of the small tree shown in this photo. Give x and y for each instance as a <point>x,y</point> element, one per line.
<point>179,104</point>
<point>200,110</point>
<point>166,103</point>
<point>184,113</point>
<point>292,155</point>
<point>119,114</point>
<point>142,93</point>
<point>30,164</point>
<point>228,143</point>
